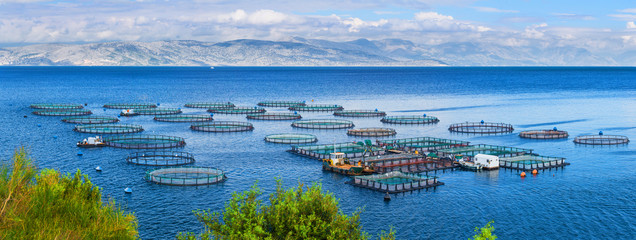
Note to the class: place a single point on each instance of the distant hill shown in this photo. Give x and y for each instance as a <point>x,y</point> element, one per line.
<point>296,52</point>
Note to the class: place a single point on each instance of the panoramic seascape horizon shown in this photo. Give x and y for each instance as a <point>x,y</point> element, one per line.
<point>591,198</point>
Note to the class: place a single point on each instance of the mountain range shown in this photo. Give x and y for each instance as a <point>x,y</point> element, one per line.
<point>300,52</point>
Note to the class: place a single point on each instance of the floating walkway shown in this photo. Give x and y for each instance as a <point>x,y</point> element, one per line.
<point>237,110</point>
<point>109,128</point>
<point>274,116</point>
<point>62,112</point>
<point>291,138</point>
<point>473,150</point>
<point>372,132</point>
<point>186,176</point>
<point>410,119</point>
<point>544,134</point>
<point>144,141</point>
<point>316,107</point>
<point>223,126</point>
<point>160,158</point>
<point>601,140</point>
<point>130,105</point>
<point>406,163</point>
<point>280,103</point>
<point>351,150</point>
<point>91,119</point>
<point>56,106</point>
<point>184,118</point>
<point>323,124</point>
<point>217,105</point>
<point>531,162</point>
<point>422,144</point>
<point>395,182</point>
<point>359,113</point>
<point>481,127</point>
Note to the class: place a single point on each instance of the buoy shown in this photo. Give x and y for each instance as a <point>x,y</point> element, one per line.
<point>104,109</point>
<point>99,169</point>
<point>600,133</point>
<point>158,104</point>
<point>424,115</point>
<point>482,121</point>
<point>80,153</point>
<point>25,116</point>
<point>376,109</point>
<point>312,100</point>
<point>55,137</point>
<point>387,197</point>
<point>128,190</point>
<point>39,125</point>
<point>211,114</point>
<point>85,104</point>
<point>523,174</point>
<point>554,129</point>
<point>295,113</point>
<point>534,172</point>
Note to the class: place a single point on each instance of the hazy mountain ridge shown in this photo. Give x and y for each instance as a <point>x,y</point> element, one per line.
<point>297,52</point>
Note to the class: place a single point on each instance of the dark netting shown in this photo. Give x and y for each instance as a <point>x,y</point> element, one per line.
<point>372,132</point>
<point>291,138</point>
<point>56,106</point>
<point>207,105</point>
<point>186,176</point>
<point>109,128</point>
<point>544,134</point>
<point>359,113</point>
<point>144,141</point>
<point>160,158</point>
<point>237,110</point>
<point>601,139</point>
<point>316,107</point>
<point>280,103</point>
<point>323,124</point>
<point>130,105</point>
<point>223,126</point>
<point>62,112</point>
<point>184,118</point>
<point>91,119</point>
<point>395,182</point>
<point>481,127</point>
<point>274,116</point>
<point>531,162</point>
<point>411,119</point>
<point>151,111</point>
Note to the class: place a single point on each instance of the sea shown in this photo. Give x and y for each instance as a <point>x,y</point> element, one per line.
<point>593,198</point>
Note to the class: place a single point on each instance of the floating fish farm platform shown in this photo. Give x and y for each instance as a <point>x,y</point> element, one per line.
<point>481,127</point>
<point>62,112</point>
<point>130,105</point>
<point>411,119</point>
<point>186,176</point>
<point>351,150</point>
<point>274,116</point>
<point>155,111</point>
<point>144,141</point>
<point>280,103</point>
<point>210,105</point>
<point>184,118</point>
<point>544,134</point>
<point>359,113</point>
<point>317,107</point>
<point>223,126</point>
<point>395,182</point>
<point>406,163</point>
<point>421,144</point>
<point>291,138</point>
<point>323,124</point>
<point>531,162</point>
<point>160,158</point>
<point>601,140</point>
<point>473,150</point>
<point>237,110</point>
<point>108,128</point>
<point>91,119</point>
<point>372,132</point>
<point>56,106</point>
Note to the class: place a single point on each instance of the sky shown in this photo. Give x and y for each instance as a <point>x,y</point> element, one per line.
<point>594,25</point>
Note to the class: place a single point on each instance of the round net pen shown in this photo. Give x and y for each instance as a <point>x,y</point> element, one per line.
<point>291,138</point>
<point>274,116</point>
<point>56,106</point>
<point>130,105</point>
<point>91,119</point>
<point>316,107</point>
<point>411,119</point>
<point>481,127</point>
<point>207,105</point>
<point>186,176</point>
<point>160,158</point>
<point>601,139</point>
<point>63,112</point>
<point>237,110</point>
<point>372,132</point>
<point>544,134</point>
<point>223,126</point>
<point>144,141</point>
<point>109,128</point>
<point>323,124</point>
<point>280,103</point>
<point>157,111</point>
<point>184,118</point>
<point>359,113</point>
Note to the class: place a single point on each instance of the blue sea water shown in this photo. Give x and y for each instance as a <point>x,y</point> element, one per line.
<point>593,198</point>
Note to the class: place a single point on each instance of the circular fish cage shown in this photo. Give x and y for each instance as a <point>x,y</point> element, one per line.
<point>62,112</point>
<point>109,128</point>
<point>481,127</point>
<point>237,110</point>
<point>323,124</point>
<point>316,107</point>
<point>130,105</point>
<point>223,126</point>
<point>210,105</point>
<point>154,111</point>
<point>56,106</point>
<point>601,139</point>
<point>359,113</point>
<point>144,141</point>
<point>411,119</point>
<point>184,118</point>
<point>291,138</point>
<point>372,132</point>
<point>186,176</point>
<point>91,119</point>
<point>544,134</point>
<point>280,103</point>
<point>160,158</point>
<point>274,116</point>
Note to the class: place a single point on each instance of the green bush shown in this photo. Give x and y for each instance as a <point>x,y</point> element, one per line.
<point>49,205</point>
<point>485,233</point>
<point>295,213</point>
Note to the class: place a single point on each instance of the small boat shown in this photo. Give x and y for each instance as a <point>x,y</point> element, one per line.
<point>99,169</point>
<point>91,142</point>
<point>128,112</point>
<point>470,166</point>
<point>128,190</point>
<point>338,164</point>
<point>387,197</point>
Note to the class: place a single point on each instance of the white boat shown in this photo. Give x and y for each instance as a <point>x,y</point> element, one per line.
<point>91,142</point>
<point>128,112</point>
<point>470,166</point>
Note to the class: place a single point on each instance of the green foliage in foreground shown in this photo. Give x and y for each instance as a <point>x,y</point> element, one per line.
<point>485,233</point>
<point>295,213</point>
<point>48,205</point>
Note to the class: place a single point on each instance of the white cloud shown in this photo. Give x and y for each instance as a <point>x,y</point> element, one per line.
<point>494,10</point>
<point>628,10</point>
<point>631,25</point>
<point>432,16</point>
<point>574,16</point>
